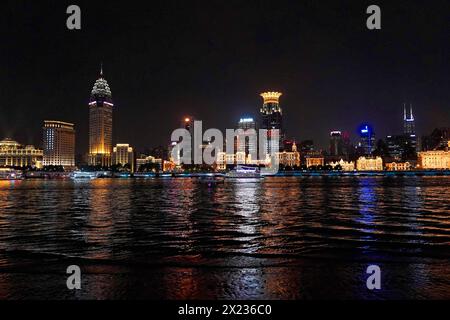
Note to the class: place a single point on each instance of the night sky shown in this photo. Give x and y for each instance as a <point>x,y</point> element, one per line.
<point>211,59</point>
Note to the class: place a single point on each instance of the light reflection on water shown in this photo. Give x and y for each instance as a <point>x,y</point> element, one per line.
<point>189,223</point>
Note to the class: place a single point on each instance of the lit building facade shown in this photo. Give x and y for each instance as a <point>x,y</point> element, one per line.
<point>123,155</point>
<point>369,164</point>
<point>313,161</point>
<point>13,154</point>
<point>100,124</point>
<point>289,158</point>
<point>345,165</point>
<point>398,166</point>
<point>59,144</point>
<point>149,160</point>
<point>272,119</point>
<point>437,159</point>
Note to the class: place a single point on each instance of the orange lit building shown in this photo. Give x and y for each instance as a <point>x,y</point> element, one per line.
<point>314,161</point>
<point>398,166</point>
<point>436,159</point>
<point>59,144</point>
<point>369,164</point>
<point>100,123</point>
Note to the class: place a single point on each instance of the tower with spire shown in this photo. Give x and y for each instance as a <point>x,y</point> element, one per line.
<point>409,126</point>
<point>100,123</point>
<point>409,129</point>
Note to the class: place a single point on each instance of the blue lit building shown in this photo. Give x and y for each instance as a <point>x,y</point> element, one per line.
<point>367,143</point>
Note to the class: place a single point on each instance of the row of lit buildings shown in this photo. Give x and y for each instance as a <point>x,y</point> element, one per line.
<point>58,144</point>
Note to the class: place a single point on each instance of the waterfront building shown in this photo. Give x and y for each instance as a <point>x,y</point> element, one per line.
<point>314,161</point>
<point>13,154</point>
<point>345,165</point>
<point>224,159</point>
<point>369,164</point>
<point>168,166</point>
<point>146,160</point>
<point>398,166</point>
<point>435,159</point>
<point>123,155</point>
<point>59,144</point>
<point>272,119</point>
<point>289,158</point>
<point>100,123</point>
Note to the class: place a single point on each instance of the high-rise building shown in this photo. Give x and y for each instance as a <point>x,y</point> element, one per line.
<point>246,143</point>
<point>409,127</point>
<point>59,144</point>
<point>396,146</point>
<point>336,143</point>
<point>367,140</point>
<point>123,155</point>
<point>100,123</point>
<point>272,118</point>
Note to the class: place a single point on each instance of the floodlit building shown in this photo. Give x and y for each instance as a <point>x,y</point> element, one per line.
<point>149,160</point>
<point>100,123</point>
<point>123,155</point>
<point>398,166</point>
<point>369,164</point>
<point>59,144</point>
<point>367,140</point>
<point>14,154</point>
<point>312,161</point>
<point>289,158</point>
<point>437,159</point>
<point>345,165</point>
<point>272,119</point>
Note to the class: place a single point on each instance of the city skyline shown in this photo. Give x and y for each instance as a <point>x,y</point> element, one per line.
<point>331,78</point>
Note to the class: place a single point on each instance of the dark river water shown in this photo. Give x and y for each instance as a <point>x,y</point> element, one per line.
<point>180,238</point>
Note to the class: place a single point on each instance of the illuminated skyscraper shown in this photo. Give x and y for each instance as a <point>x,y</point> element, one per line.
<point>100,123</point>
<point>336,143</point>
<point>246,143</point>
<point>367,140</point>
<point>59,144</point>
<point>272,117</point>
<point>409,126</point>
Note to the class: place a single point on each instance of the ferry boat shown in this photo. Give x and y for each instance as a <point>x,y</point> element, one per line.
<point>244,172</point>
<point>10,174</point>
<point>83,175</point>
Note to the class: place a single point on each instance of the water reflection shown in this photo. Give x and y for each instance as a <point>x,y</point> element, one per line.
<point>234,230</point>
